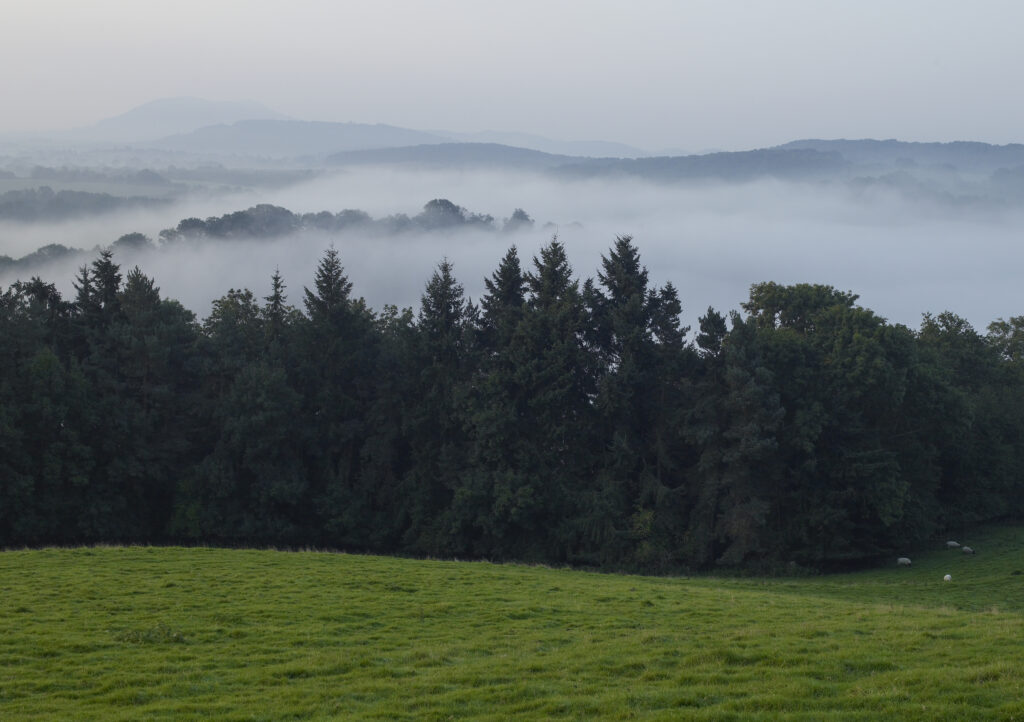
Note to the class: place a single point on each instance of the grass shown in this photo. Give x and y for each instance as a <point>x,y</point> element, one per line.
<point>171,633</point>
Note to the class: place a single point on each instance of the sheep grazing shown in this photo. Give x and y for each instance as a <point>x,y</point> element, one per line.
<point>952,545</point>
<point>947,578</point>
<point>903,562</point>
<point>968,550</point>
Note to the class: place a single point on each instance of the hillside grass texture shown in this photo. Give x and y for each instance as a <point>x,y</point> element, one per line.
<point>197,634</point>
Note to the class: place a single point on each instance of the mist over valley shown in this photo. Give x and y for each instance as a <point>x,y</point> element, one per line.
<point>897,223</point>
<point>511,360</point>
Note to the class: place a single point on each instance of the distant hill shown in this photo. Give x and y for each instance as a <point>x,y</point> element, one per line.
<point>745,165</point>
<point>733,166</point>
<point>289,138</point>
<point>582,148</point>
<point>964,156</point>
<point>455,155</point>
<point>43,203</point>
<point>169,116</point>
<point>790,164</point>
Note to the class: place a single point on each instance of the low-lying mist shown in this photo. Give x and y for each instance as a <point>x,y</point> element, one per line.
<point>904,256</point>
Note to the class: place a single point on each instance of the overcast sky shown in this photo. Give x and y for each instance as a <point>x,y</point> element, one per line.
<point>689,74</point>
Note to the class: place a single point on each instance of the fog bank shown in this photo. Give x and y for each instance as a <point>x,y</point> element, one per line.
<point>903,256</point>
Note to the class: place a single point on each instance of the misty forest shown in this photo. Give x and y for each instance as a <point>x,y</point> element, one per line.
<point>555,419</point>
<point>511,361</point>
<point>443,382</point>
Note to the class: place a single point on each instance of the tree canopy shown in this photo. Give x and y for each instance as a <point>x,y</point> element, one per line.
<point>561,420</point>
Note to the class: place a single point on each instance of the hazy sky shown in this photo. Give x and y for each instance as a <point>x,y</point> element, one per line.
<point>690,74</point>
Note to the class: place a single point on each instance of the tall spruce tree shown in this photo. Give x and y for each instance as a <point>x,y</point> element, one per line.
<point>444,359</point>
<point>339,349</point>
<point>637,333</point>
<point>495,507</point>
<point>550,461</point>
<point>380,515</point>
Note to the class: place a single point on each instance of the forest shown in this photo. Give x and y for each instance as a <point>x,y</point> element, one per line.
<point>265,221</point>
<point>555,420</point>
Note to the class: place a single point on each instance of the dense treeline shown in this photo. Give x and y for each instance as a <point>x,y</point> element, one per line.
<point>265,221</point>
<point>269,221</point>
<point>558,420</point>
<point>43,203</point>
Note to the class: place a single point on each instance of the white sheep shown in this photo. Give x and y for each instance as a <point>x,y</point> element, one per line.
<point>948,578</point>
<point>903,562</point>
<point>952,545</point>
<point>968,550</point>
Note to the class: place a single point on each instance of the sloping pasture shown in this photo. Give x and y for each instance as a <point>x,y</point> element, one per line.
<point>174,633</point>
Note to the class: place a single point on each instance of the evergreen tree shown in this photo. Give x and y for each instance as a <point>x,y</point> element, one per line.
<point>540,456</point>
<point>329,302</point>
<point>503,302</point>
<point>44,465</point>
<point>495,507</point>
<point>378,514</point>
<point>339,349</point>
<point>279,319</point>
<point>641,399</point>
<point>445,357</point>
<point>251,487</point>
<point>560,422</point>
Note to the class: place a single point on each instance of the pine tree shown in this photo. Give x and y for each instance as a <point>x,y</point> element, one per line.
<point>502,304</point>
<point>277,315</point>
<point>640,342</point>
<point>536,435</point>
<point>445,359</point>
<point>339,347</point>
<point>330,298</point>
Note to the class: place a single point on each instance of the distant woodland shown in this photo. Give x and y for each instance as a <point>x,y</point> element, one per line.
<point>265,221</point>
<point>561,420</point>
<point>45,204</point>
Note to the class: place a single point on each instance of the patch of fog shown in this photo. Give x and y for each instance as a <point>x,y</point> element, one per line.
<point>711,241</point>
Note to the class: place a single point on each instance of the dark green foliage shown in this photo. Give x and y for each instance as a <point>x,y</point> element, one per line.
<point>503,304</point>
<point>443,359</point>
<point>137,358</point>
<point>250,482</point>
<point>561,421</point>
<point>642,393</point>
<point>531,415</point>
<point>252,486</point>
<point>337,350</point>
<point>97,411</point>
<point>267,221</point>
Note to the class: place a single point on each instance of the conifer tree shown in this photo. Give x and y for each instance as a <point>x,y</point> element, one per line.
<point>277,315</point>
<point>329,301</point>
<point>540,477</point>
<point>503,302</point>
<point>339,349</point>
<point>637,333</point>
<point>444,360</point>
<point>490,508</point>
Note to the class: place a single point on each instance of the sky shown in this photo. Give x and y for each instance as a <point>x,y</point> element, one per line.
<point>690,75</point>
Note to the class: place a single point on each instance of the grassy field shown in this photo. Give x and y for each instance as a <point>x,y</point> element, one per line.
<point>170,633</point>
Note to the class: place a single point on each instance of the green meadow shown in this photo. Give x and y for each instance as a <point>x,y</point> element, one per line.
<point>176,633</point>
